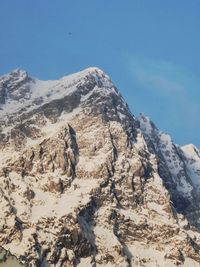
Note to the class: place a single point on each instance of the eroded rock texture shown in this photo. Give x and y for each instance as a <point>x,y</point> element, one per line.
<point>85,183</point>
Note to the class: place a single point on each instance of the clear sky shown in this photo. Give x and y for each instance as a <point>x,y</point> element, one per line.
<point>150,49</point>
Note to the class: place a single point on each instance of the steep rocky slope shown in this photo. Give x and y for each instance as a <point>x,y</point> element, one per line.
<point>85,183</point>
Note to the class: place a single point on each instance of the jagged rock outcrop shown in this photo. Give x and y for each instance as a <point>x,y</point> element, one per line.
<point>85,183</point>
<point>175,171</point>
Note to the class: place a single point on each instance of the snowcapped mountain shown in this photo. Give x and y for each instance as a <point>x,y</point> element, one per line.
<point>85,183</point>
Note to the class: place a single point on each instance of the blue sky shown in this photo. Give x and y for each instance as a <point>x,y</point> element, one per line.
<point>150,49</point>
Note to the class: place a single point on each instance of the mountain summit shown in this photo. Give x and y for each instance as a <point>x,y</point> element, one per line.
<point>85,183</point>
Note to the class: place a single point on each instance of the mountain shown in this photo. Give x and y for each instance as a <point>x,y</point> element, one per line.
<point>83,182</point>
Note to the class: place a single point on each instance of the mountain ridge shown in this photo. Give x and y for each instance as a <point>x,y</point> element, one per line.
<point>86,183</point>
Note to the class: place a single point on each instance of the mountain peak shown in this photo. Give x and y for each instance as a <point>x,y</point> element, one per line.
<point>91,90</point>
<point>82,184</point>
<point>14,86</point>
<point>94,74</point>
<point>191,150</point>
<point>93,70</point>
<point>14,76</point>
<point>189,147</point>
<point>19,72</point>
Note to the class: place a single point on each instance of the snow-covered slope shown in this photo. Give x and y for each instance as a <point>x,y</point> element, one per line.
<point>178,172</point>
<point>20,93</point>
<point>192,162</point>
<point>85,183</point>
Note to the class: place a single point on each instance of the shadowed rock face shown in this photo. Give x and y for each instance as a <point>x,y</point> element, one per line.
<point>85,183</point>
<point>173,169</point>
<point>8,260</point>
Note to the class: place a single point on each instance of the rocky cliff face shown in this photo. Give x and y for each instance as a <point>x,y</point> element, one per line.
<point>85,183</point>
